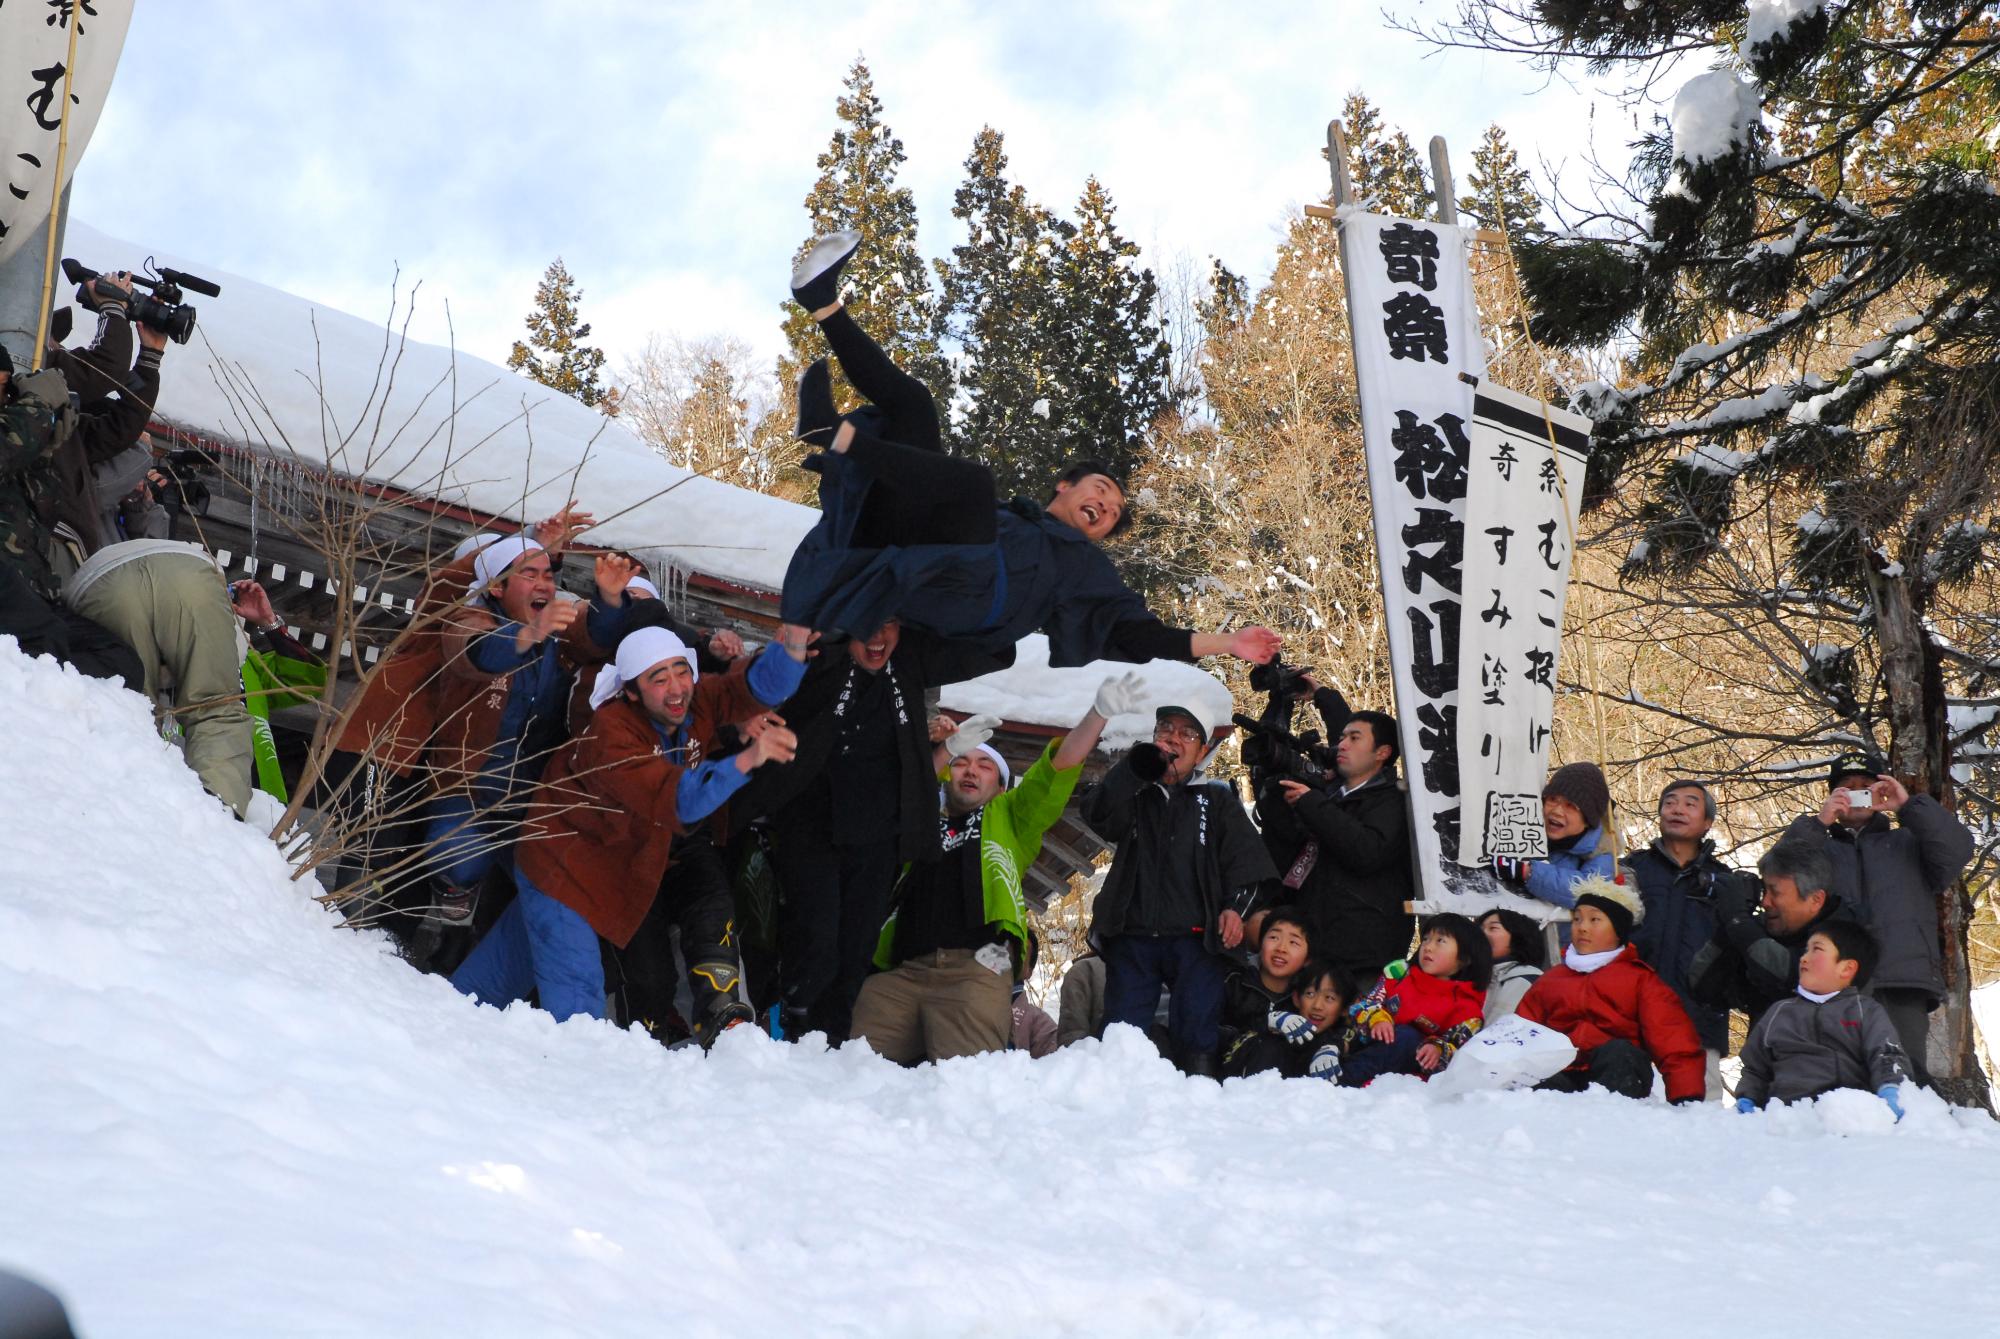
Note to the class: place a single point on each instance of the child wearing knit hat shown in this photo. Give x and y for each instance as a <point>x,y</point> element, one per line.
<point>1623,1019</point>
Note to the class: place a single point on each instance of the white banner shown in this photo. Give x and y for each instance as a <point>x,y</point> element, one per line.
<point>34,57</point>
<point>1521,509</point>
<point>1417,357</point>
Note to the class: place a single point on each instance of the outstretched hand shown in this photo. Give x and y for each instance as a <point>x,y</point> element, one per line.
<point>725,644</point>
<point>1256,645</point>
<point>1120,695</point>
<point>252,604</point>
<point>614,572</point>
<point>558,531</point>
<point>970,734</point>
<point>797,641</point>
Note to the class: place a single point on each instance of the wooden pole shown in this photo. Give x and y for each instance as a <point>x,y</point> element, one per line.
<point>56,195</point>
<point>1443,188</point>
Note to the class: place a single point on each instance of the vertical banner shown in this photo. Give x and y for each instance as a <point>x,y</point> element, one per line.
<point>34,58</point>
<point>1417,358</point>
<point>1521,506</point>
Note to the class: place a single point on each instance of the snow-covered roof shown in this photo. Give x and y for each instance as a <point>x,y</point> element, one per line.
<point>253,375</point>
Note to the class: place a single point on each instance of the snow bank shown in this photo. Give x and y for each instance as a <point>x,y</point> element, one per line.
<point>225,1116</point>
<point>1031,691</point>
<point>258,342</point>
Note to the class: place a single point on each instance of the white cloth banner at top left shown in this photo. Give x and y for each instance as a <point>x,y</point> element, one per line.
<point>1417,357</point>
<point>34,57</point>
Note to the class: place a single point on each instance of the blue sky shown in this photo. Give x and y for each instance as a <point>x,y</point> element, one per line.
<point>664,150</point>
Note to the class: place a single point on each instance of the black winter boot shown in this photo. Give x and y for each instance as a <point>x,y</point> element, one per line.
<point>816,278</point>
<point>723,1015</point>
<point>1199,1064</point>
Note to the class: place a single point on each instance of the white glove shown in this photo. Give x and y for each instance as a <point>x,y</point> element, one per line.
<point>1294,1028</point>
<point>1121,696</point>
<point>971,733</point>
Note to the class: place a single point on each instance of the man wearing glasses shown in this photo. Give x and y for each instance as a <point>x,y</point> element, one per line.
<point>1190,866</point>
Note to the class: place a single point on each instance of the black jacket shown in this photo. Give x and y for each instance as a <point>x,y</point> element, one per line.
<point>796,794</point>
<point>1360,877</point>
<point>1681,917</point>
<point>1746,967</point>
<point>1200,827</point>
<point>1892,875</point>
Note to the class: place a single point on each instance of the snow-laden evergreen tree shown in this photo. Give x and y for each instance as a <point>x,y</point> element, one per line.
<point>1498,191</point>
<point>887,285</point>
<point>1806,312</point>
<point>1000,306</point>
<point>1109,364</point>
<point>1384,164</point>
<point>555,353</point>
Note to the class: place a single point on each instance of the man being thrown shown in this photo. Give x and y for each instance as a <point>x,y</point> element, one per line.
<point>907,531</point>
<point>604,825</point>
<point>957,936</point>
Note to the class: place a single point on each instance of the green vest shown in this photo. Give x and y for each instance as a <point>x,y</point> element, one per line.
<point>1010,837</point>
<point>268,680</point>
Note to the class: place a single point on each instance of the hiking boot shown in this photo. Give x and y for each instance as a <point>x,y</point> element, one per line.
<point>816,278</point>
<point>725,1015</point>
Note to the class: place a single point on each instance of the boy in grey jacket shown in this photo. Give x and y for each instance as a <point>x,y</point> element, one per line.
<point>1829,1035</point>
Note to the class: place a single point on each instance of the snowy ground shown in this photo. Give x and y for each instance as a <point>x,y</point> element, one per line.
<point>223,1116</point>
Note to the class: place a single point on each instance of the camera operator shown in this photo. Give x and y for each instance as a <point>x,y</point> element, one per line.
<point>41,431</point>
<point>1344,841</point>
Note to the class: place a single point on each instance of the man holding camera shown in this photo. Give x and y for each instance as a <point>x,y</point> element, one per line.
<point>1350,839</point>
<point>1894,855</point>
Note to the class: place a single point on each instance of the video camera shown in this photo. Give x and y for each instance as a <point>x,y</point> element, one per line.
<point>162,308</point>
<point>1278,678</point>
<point>1272,753</point>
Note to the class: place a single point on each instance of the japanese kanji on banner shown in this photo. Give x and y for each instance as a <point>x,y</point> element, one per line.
<point>34,57</point>
<point>1417,359</point>
<point>1521,503</point>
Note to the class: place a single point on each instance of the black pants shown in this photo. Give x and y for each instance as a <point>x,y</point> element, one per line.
<point>1618,1066</point>
<point>921,495</point>
<point>834,900</point>
<point>49,628</point>
<point>378,817</point>
<point>1250,1053</point>
<point>695,899</point>
<point>1910,1010</point>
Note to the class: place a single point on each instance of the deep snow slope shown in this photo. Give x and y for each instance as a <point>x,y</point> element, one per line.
<point>222,1115</point>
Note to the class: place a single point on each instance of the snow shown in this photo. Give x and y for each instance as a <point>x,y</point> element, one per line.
<point>1713,115</point>
<point>1031,691</point>
<point>1770,19</point>
<point>228,1117</point>
<point>1817,524</point>
<point>258,343</point>
<point>1708,458</point>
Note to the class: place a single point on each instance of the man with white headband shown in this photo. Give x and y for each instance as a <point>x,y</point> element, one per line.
<point>714,648</point>
<point>860,800</point>
<point>957,937</point>
<point>618,806</point>
<point>507,656</point>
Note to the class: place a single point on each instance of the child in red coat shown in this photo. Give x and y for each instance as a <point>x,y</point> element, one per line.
<point>1418,1015</point>
<point>1623,1019</point>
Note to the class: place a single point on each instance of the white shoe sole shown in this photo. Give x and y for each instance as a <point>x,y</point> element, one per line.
<point>827,252</point>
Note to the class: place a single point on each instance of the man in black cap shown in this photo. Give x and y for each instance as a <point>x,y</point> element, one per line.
<point>1893,874</point>
<point>1190,866</point>
<point>1678,876</point>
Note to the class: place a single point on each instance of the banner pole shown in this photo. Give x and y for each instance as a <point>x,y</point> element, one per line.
<point>56,195</point>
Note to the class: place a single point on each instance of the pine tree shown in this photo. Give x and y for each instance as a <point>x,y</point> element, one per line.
<point>554,353</point>
<point>999,306</point>
<point>1383,163</point>
<point>1498,192</point>
<point>1109,364</point>
<point>1809,319</point>
<point>887,285</point>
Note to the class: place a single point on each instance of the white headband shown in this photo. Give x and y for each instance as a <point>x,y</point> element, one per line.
<point>471,542</point>
<point>641,583</point>
<point>494,560</point>
<point>1006,772</point>
<point>639,652</point>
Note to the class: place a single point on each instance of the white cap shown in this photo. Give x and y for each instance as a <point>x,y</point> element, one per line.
<point>639,652</point>
<point>642,583</point>
<point>471,542</point>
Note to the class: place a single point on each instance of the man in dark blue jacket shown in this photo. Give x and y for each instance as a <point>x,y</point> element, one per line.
<point>908,532</point>
<point>1893,874</point>
<point>1678,877</point>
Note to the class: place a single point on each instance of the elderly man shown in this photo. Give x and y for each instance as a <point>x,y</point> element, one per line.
<point>1190,867</point>
<point>1753,960</point>
<point>1678,877</point>
<point>957,937</point>
<point>1893,873</point>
